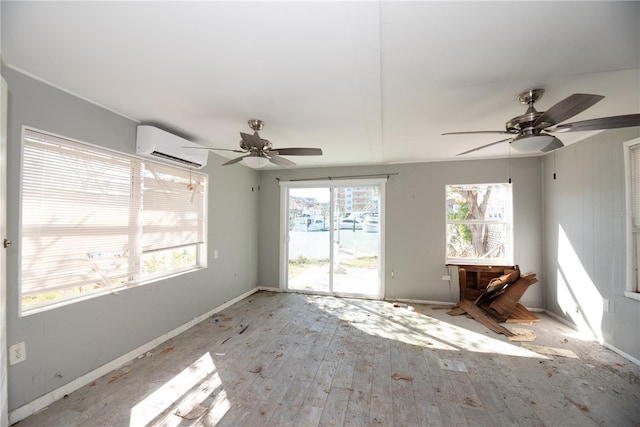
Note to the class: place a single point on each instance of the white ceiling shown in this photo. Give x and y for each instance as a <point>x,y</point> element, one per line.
<point>368,82</point>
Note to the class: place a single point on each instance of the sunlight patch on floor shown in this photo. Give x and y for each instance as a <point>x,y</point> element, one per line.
<point>183,394</point>
<point>379,318</point>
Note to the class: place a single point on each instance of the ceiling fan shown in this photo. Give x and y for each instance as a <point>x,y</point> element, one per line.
<point>257,148</point>
<point>532,131</point>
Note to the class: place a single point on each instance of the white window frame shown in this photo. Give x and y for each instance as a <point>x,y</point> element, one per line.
<point>507,221</point>
<point>165,177</point>
<point>632,282</point>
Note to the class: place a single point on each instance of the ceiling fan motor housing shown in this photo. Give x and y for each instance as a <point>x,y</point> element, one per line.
<point>523,124</point>
<point>266,146</point>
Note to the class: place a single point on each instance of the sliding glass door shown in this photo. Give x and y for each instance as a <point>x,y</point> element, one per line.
<point>333,238</point>
<point>356,236</point>
<point>309,239</point>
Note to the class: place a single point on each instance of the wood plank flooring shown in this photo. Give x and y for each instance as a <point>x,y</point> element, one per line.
<point>313,360</point>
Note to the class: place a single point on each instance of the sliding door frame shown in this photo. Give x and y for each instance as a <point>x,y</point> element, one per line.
<point>285,186</point>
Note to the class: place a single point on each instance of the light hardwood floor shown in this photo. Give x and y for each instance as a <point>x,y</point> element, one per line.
<point>310,360</point>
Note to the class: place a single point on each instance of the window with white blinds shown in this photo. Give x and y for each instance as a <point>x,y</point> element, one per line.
<point>634,157</point>
<point>634,205</point>
<point>172,216</point>
<point>94,221</point>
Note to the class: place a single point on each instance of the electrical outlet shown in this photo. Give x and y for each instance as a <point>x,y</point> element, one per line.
<point>445,277</point>
<point>215,254</point>
<point>605,305</point>
<point>17,353</point>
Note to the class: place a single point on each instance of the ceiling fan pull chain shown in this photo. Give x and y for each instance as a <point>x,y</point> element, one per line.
<point>509,163</point>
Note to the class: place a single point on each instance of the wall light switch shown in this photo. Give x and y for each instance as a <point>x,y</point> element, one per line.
<point>215,254</point>
<point>17,353</point>
<point>445,277</point>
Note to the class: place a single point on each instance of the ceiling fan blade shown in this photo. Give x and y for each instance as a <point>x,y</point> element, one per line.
<point>253,141</point>
<point>236,160</point>
<point>483,146</point>
<point>478,132</point>
<point>280,161</point>
<point>565,109</point>
<point>297,151</point>
<point>612,122</point>
<point>216,149</point>
<point>553,145</point>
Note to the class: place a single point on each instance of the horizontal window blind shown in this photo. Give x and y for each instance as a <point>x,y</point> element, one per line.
<point>88,214</point>
<point>78,206</point>
<point>173,205</point>
<point>634,152</point>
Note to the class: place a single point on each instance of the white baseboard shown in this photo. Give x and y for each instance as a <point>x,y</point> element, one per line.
<point>622,353</point>
<point>604,343</point>
<point>420,301</point>
<point>46,400</point>
<point>270,289</point>
<point>561,320</point>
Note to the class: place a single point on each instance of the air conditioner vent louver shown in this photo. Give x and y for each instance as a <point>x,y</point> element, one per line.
<point>176,159</point>
<point>156,143</point>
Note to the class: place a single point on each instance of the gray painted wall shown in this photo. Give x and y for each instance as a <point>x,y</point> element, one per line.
<point>586,203</point>
<point>244,227</point>
<point>65,343</point>
<point>415,221</point>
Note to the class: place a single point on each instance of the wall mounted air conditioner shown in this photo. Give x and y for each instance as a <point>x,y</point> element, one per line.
<point>158,144</point>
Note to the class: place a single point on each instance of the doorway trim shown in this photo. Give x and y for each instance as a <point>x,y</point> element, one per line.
<point>331,183</point>
<point>4,362</point>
